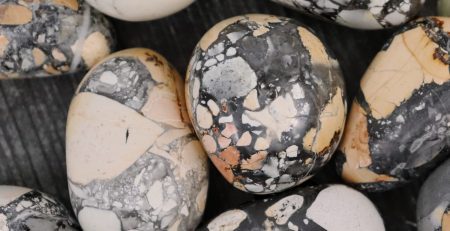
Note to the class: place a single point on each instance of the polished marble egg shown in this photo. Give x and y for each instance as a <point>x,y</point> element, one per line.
<point>398,127</point>
<point>31,210</point>
<point>267,100</point>
<point>133,161</point>
<point>326,207</point>
<point>369,14</point>
<point>51,37</point>
<point>139,10</point>
<point>433,205</point>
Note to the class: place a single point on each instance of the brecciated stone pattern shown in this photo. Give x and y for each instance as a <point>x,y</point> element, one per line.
<point>26,209</point>
<point>267,101</point>
<point>399,123</point>
<point>368,14</point>
<point>51,37</point>
<point>433,205</point>
<point>318,208</point>
<point>133,161</point>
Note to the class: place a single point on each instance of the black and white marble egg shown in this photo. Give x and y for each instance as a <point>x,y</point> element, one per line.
<point>26,209</point>
<point>433,205</point>
<point>133,161</point>
<point>316,208</point>
<point>399,124</point>
<point>368,14</point>
<point>267,100</point>
<point>51,37</point>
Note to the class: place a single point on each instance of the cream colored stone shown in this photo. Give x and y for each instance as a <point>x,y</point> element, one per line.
<point>95,48</point>
<point>9,193</point>
<point>39,56</point>
<point>93,219</point>
<point>58,55</point>
<point>104,138</point>
<point>317,51</point>
<point>204,118</point>
<point>71,4</point>
<point>14,14</point>
<point>245,140</point>
<point>251,101</point>
<point>3,44</point>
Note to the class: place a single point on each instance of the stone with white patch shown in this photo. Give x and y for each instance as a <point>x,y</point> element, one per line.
<point>276,89</point>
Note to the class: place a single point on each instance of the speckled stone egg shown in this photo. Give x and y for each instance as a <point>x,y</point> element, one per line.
<point>326,207</point>
<point>398,127</point>
<point>368,14</point>
<point>139,10</point>
<point>27,209</point>
<point>51,37</point>
<point>133,161</point>
<point>433,205</point>
<point>267,101</point>
<point>443,7</point>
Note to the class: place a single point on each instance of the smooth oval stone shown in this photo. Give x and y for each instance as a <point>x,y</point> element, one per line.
<point>51,37</point>
<point>133,161</point>
<point>326,207</point>
<point>433,205</point>
<point>138,10</point>
<point>444,7</point>
<point>369,14</point>
<point>398,127</point>
<point>267,101</point>
<point>27,209</point>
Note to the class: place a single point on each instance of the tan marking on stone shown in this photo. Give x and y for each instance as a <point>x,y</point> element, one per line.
<point>204,117</point>
<point>14,15</point>
<point>332,121</point>
<point>223,167</point>
<point>97,145</point>
<point>71,4</point>
<point>3,44</point>
<point>398,71</point>
<point>39,56</point>
<point>230,155</point>
<point>209,143</point>
<point>58,55</point>
<point>363,175</point>
<point>251,101</point>
<point>95,48</point>
<point>213,34</point>
<point>224,142</point>
<point>263,21</point>
<point>262,144</point>
<point>446,222</point>
<point>355,142</point>
<point>229,130</point>
<point>255,162</point>
<point>315,47</point>
<point>50,69</point>
<point>245,140</point>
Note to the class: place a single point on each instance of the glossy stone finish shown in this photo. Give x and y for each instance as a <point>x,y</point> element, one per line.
<point>267,101</point>
<point>398,127</point>
<point>317,208</point>
<point>433,206</point>
<point>443,7</point>
<point>51,37</point>
<point>139,10</point>
<point>26,209</point>
<point>369,14</point>
<point>133,161</point>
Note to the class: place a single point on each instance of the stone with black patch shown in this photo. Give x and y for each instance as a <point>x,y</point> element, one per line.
<point>316,208</point>
<point>361,14</point>
<point>133,161</point>
<point>51,38</point>
<point>267,100</point>
<point>27,209</point>
<point>433,205</point>
<point>399,124</point>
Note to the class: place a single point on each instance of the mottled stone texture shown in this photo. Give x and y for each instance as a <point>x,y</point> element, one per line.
<point>367,14</point>
<point>317,208</point>
<point>50,38</point>
<point>399,123</point>
<point>267,101</point>
<point>133,161</point>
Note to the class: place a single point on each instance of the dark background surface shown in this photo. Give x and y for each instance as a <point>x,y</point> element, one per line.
<point>33,111</point>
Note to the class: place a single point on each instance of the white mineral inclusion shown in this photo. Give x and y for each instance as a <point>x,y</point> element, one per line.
<point>139,10</point>
<point>284,208</point>
<point>340,208</point>
<point>229,220</point>
<point>104,220</point>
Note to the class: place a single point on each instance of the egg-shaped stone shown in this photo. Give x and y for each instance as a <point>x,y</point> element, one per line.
<point>369,14</point>
<point>27,209</point>
<point>325,207</point>
<point>433,205</point>
<point>133,161</point>
<point>51,37</point>
<point>267,100</point>
<point>398,127</point>
<point>138,10</point>
<point>443,7</point>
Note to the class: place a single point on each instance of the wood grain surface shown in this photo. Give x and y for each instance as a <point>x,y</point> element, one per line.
<point>33,111</point>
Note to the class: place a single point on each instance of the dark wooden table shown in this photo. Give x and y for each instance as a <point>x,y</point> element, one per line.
<point>33,112</point>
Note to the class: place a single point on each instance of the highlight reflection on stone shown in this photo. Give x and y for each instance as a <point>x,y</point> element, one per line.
<point>398,127</point>
<point>50,38</point>
<point>267,101</point>
<point>133,161</point>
